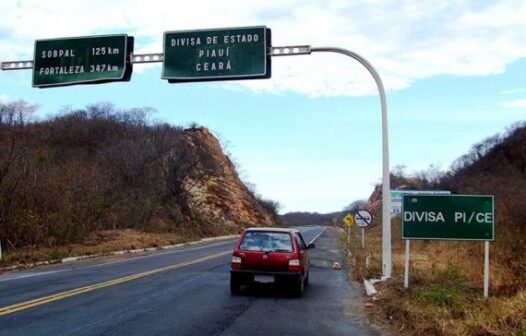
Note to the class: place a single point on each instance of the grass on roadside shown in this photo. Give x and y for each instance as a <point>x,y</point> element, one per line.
<point>445,294</point>
<point>97,243</point>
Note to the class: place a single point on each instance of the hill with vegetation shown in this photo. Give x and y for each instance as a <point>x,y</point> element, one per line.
<point>299,218</point>
<point>446,278</point>
<point>80,174</point>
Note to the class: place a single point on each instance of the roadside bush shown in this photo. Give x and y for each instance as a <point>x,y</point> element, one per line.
<point>94,169</point>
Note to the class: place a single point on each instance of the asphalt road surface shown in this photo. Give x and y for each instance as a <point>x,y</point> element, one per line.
<point>178,292</point>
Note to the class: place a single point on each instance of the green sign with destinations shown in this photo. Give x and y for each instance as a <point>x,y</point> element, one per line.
<point>448,217</point>
<point>80,60</point>
<point>216,54</point>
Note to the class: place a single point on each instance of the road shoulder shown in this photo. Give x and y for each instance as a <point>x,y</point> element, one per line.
<point>330,306</point>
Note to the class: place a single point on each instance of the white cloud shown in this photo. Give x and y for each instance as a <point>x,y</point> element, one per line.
<point>512,91</point>
<point>517,103</point>
<point>405,40</point>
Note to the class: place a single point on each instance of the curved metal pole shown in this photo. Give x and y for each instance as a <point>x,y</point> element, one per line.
<point>386,188</point>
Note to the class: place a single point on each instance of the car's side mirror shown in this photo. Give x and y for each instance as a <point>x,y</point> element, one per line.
<point>311,246</point>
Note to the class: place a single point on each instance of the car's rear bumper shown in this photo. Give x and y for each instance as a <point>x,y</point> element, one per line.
<point>258,272</point>
<point>247,276</point>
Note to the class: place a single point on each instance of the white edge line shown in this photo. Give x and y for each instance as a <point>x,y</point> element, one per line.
<point>156,254</point>
<point>324,228</point>
<point>22,276</point>
<point>71,259</point>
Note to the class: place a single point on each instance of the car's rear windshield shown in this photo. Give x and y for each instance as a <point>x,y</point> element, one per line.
<point>266,241</point>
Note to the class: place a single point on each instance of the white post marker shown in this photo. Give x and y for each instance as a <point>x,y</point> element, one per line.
<point>406,268</point>
<point>486,268</point>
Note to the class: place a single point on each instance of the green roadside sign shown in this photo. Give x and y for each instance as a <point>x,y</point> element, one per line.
<point>82,60</point>
<point>216,54</point>
<point>448,217</point>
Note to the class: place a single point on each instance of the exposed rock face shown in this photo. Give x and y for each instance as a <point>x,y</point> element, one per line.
<point>374,204</point>
<point>214,188</point>
<point>98,169</point>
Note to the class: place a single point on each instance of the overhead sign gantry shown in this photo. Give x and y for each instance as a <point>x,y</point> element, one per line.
<point>242,57</point>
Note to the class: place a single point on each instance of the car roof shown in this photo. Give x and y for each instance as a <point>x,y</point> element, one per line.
<point>271,229</point>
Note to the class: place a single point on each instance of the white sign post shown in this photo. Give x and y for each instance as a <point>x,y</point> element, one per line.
<point>363,239</point>
<point>406,268</point>
<point>386,183</point>
<point>486,268</point>
<point>363,219</point>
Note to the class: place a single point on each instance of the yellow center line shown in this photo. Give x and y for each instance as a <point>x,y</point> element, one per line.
<point>62,295</point>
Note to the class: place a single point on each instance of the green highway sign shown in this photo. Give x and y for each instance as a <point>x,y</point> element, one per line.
<point>448,217</point>
<point>216,54</point>
<point>82,60</point>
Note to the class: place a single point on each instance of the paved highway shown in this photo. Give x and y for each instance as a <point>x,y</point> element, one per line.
<point>179,292</point>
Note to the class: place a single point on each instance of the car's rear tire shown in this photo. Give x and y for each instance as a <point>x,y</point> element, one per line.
<point>299,286</point>
<point>235,285</point>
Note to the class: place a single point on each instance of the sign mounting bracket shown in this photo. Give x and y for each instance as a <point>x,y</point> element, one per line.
<point>159,57</point>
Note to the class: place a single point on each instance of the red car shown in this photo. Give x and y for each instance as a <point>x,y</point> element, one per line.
<point>270,255</point>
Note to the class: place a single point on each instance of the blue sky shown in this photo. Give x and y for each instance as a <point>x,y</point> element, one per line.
<point>309,137</point>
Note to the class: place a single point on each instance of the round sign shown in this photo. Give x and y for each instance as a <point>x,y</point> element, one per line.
<point>363,218</point>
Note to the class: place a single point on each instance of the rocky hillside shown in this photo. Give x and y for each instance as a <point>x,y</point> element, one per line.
<point>214,187</point>
<point>99,168</point>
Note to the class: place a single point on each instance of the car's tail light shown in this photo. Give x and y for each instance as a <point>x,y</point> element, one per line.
<point>236,262</point>
<point>294,265</point>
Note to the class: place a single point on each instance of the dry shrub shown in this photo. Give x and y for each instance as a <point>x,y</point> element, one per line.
<point>446,278</point>
<point>446,284</point>
<point>98,169</point>
<point>99,242</point>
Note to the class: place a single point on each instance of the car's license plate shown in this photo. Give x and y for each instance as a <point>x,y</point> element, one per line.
<point>264,278</point>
